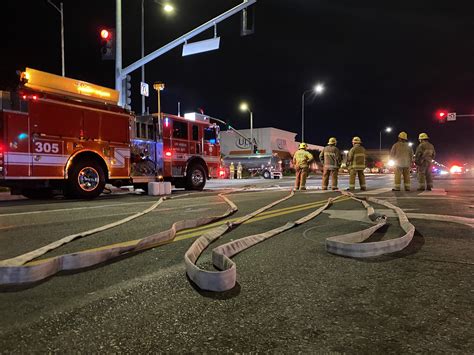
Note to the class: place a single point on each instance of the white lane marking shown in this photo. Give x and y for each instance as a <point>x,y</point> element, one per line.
<point>92,207</point>
<point>376,191</point>
<point>358,215</point>
<point>434,192</point>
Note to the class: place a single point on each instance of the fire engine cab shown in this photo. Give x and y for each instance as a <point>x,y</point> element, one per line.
<point>67,135</point>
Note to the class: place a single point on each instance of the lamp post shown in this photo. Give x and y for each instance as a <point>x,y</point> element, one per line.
<point>159,86</point>
<point>167,8</point>
<point>318,89</point>
<point>245,107</point>
<point>387,130</point>
<point>60,10</point>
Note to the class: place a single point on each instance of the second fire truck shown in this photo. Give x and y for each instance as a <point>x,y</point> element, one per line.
<point>62,134</point>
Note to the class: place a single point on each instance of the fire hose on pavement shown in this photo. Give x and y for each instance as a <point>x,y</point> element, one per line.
<point>21,270</point>
<point>346,245</point>
<point>24,269</point>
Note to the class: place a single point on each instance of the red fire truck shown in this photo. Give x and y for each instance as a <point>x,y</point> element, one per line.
<point>64,135</point>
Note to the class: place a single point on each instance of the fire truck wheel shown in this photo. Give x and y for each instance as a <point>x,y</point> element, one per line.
<point>37,194</point>
<point>196,177</point>
<point>266,174</point>
<point>86,179</point>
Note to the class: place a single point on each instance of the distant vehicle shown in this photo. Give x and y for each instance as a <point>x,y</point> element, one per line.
<point>266,165</point>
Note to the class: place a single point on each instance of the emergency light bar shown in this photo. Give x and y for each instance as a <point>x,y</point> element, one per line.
<point>194,116</point>
<point>55,84</point>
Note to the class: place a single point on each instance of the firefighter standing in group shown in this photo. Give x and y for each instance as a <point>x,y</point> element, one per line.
<point>356,164</point>
<point>301,161</point>
<point>402,155</point>
<point>239,171</point>
<point>424,155</point>
<point>331,158</point>
<point>231,171</point>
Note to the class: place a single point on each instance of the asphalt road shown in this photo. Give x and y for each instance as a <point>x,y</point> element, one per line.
<point>291,294</point>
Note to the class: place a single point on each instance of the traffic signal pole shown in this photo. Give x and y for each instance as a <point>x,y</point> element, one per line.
<point>118,50</point>
<point>120,72</point>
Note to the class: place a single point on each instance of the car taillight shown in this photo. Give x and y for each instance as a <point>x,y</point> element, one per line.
<point>455,169</point>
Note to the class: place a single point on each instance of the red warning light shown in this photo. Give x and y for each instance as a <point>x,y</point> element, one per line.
<point>441,115</point>
<point>104,34</point>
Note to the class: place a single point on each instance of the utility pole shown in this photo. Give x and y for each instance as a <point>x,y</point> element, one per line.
<point>143,53</point>
<point>118,50</point>
<point>61,12</point>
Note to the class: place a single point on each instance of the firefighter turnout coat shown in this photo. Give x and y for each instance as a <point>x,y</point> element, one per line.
<point>425,153</point>
<point>302,158</point>
<point>402,154</point>
<point>356,158</point>
<point>331,157</point>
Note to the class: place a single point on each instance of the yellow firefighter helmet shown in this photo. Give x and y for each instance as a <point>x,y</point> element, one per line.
<point>332,140</point>
<point>303,146</point>
<point>423,136</point>
<point>356,140</point>
<point>403,135</point>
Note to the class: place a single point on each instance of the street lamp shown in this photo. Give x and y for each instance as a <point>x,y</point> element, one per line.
<point>159,86</point>
<point>318,89</point>
<point>410,144</point>
<point>245,108</point>
<point>167,8</point>
<point>387,130</point>
<point>60,10</point>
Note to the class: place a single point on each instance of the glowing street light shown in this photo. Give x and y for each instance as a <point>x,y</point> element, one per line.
<point>245,108</point>
<point>410,144</point>
<point>168,8</point>
<point>318,90</point>
<point>387,130</point>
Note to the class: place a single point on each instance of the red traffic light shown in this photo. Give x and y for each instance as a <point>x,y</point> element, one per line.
<point>104,34</point>
<point>441,115</point>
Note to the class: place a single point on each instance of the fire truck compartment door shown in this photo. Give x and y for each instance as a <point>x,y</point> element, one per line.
<point>49,159</point>
<point>17,156</point>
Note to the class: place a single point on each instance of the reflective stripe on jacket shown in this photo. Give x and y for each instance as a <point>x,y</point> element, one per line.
<point>331,157</point>
<point>356,157</point>
<point>425,153</point>
<point>302,158</point>
<point>402,154</point>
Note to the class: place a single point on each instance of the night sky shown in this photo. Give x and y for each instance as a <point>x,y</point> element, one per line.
<point>384,63</point>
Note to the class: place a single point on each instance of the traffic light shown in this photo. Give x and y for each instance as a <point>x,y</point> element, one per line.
<point>107,37</point>
<point>441,115</point>
<point>127,91</point>
<point>255,149</point>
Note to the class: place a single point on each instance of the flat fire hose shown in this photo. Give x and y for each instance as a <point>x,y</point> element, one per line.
<point>347,245</point>
<point>15,272</point>
<point>352,244</point>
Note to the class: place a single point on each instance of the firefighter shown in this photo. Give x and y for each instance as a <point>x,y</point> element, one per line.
<point>402,155</point>
<point>239,171</point>
<point>231,171</point>
<point>301,161</point>
<point>425,153</point>
<point>331,158</point>
<point>356,164</point>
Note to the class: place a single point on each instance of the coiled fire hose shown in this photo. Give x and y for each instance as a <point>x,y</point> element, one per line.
<point>347,245</point>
